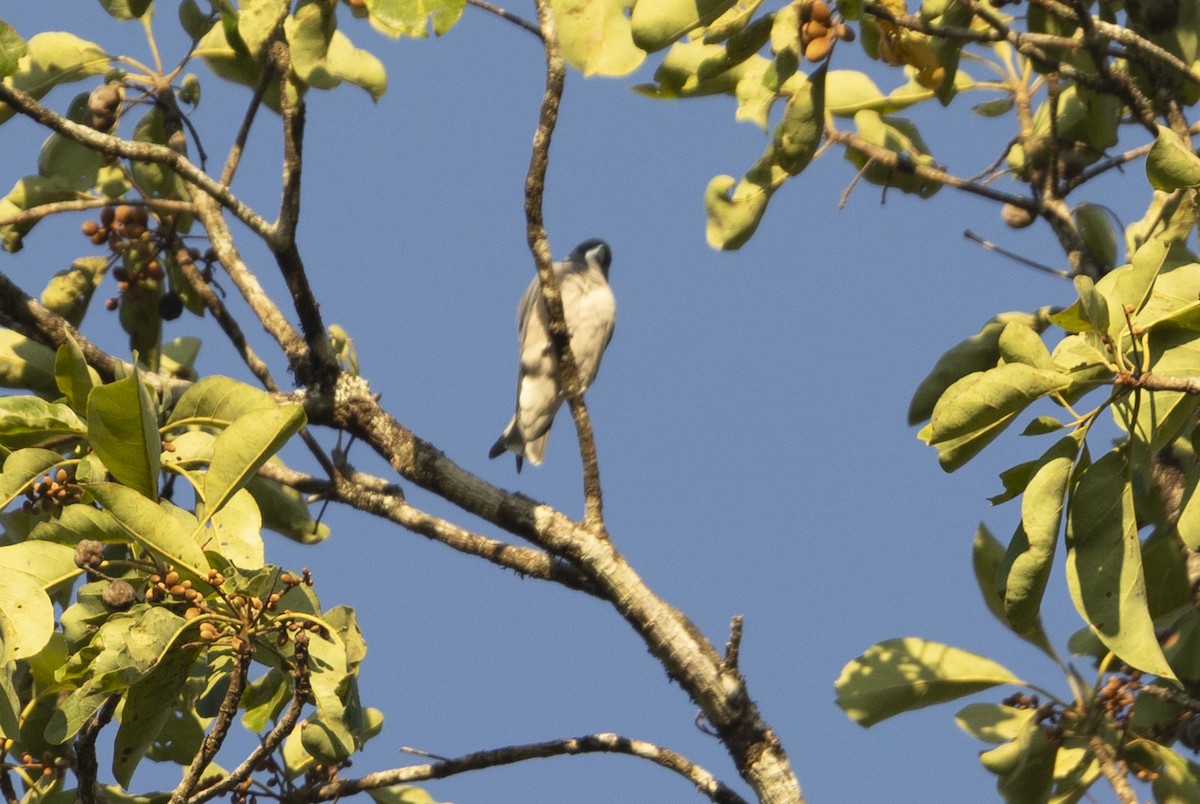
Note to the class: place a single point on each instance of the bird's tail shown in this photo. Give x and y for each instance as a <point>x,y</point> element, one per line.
<point>506,443</point>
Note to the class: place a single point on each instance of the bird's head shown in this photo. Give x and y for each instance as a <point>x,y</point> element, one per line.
<point>594,253</point>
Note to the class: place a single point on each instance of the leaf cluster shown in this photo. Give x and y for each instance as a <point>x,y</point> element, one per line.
<point>164,608</point>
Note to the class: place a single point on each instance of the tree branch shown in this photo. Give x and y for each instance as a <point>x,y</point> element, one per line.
<point>86,768</point>
<point>216,736</point>
<point>221,314</point>
<point>1159,382</point>
<point>261,304</point>
<point>535,183</point>
<point>1113,768</point>
<point>24,314</point>
<point>673,639</point>
<point>507,15</point>
<point>283,727</point>
<point>81,204</point>
<point>704,781</point>
<point>374,496</point>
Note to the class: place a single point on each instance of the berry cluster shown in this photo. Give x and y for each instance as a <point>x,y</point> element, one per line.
<point>1116,697</point>
<point>48,765</point>
<point>819,30</point>
<point>50,494</point>
<point>170,586</point>
<point>125,229</point>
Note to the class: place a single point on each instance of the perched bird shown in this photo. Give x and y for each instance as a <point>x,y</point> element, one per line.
<point>590,311</point>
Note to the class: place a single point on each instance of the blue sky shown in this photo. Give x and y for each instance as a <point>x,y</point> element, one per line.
<point>750,413</point>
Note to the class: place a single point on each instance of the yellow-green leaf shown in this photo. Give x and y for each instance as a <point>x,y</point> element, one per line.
<point>901,675</point>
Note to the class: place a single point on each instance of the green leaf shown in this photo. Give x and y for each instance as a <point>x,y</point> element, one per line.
<point>901,675</point>
<point>733,22</point>
<point>195,23</point>
<point>1104,565</point>
<point>26,364</point>
<point>159,181</point>
<point>236,532</point>
<point>149,705</point>
<point>1015,479</point>
<point>979,352</point>
<point>245,445</point>
<point>123,430</point>
<point>1188,524</point>
<point>51,565</point>
<point>257,20</point>
<point>1096,229</point>
<point>78,522</point>
<point>127,9</point>
<point>1022,576</point>
<point>22,468</point>
<point>1093,306</point>
<point>27,420</point>
<point>976,409</point>
<point>356,66</point>
<point>127,646</point>
<point>74,377</point>
<point>1020,343</point>
<point>1159,418</point>
<point>994,108</point>
<point>10,700</point>
<point>414,17</point>
<point>734,214</point>
<point>901,137</point>
<point>30,192</point>
<point>1025,766</point>
<point>69,292</point>
<point>658,23</point>
<point>1176,779</point>
<point>152,526</point>
<point>217,401</point>
<point>12,48</point>
<point>1042,425</point>
<point>850,91</point>
<point>1171,164</point>
<point>309,31</point>
<point>595,36</point>
<point>799,132</point>
<point>991,722</point>
<point>50,59</point>
<point>26,616</point>
<point>401,794</point>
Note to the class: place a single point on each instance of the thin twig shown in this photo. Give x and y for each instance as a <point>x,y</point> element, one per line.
<point>24,314</point>
<point>734,645</point>
<point>539,246</point>
<point>990,246</point>
<point>221,314</point>
<point>375,496</point>
<point>705,782</point>
<point>507,15</point>
<point>82,204</point>
<point>239,143</point>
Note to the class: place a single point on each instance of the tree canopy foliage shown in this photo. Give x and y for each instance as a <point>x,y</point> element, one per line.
<point>136,584</point>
